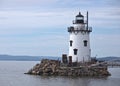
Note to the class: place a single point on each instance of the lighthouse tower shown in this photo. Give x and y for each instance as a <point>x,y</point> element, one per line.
<point>79,43</point>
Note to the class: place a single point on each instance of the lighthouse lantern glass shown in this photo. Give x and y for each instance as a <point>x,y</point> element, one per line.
<point>79,18</point>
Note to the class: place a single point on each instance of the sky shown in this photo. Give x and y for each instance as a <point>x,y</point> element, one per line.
<point>39,27</point>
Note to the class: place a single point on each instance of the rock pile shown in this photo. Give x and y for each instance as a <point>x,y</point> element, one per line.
<point>46,67</point>
<point>52,67</point>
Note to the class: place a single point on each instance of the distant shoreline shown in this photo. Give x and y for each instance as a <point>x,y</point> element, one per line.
<point>39,58</point>
<point>26,58</point>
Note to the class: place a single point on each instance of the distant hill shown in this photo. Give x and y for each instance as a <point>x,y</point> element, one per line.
<point>38,58</point>
<point>110,58</point>
<point>26,58</point>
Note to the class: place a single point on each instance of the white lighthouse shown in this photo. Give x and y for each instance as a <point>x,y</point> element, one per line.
<point>79,43</point>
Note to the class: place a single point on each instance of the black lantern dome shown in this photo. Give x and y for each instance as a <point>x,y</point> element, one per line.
<point>79,19</point>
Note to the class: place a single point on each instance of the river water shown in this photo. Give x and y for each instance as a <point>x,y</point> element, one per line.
<point>12,74</point>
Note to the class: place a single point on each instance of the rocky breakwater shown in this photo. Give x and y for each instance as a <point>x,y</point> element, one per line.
<point>53,67</point>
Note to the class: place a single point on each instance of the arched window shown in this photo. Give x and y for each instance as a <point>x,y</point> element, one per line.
<point>75,51</point>
<point>71,42</point>
<point>85,43</point>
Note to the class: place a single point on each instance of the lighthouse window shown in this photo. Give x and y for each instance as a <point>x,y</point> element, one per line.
<point>79,18</point>
<point>85,43</point>
<point>75,51</point>
<point>71,42</point>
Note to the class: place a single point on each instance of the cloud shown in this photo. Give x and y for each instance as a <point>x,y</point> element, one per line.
<point>113,3</point>
<point>38,45</point>
<point>28,4</point>
<point>41,18</point>
<point>105,44</point>
<point>39,27</point>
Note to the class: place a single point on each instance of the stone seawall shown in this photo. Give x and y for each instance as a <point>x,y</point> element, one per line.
<point>53,67</point>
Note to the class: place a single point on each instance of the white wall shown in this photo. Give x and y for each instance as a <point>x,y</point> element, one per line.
<point>83,53</point>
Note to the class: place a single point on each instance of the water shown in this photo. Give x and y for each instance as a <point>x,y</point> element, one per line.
<point>12,74</point>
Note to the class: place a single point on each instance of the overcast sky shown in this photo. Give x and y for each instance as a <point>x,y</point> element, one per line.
<point>39,27</point>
